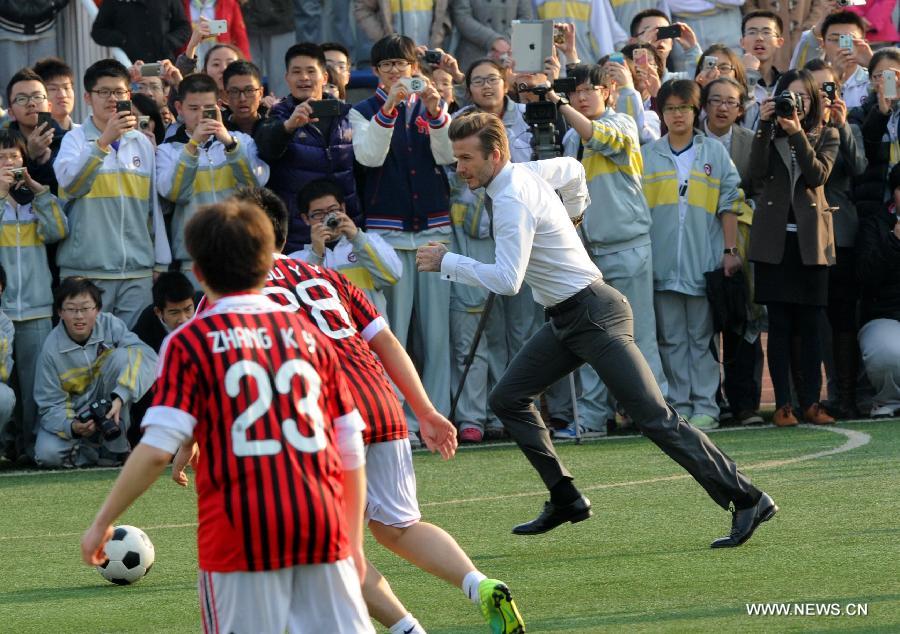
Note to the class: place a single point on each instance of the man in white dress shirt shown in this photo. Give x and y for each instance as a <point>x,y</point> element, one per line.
<point>589,322</point>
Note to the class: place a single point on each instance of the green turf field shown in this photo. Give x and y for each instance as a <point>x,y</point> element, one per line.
<point>641,564</point>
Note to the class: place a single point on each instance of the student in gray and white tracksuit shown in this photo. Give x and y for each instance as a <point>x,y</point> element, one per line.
<point>589,322</point>
<point>88,356</point>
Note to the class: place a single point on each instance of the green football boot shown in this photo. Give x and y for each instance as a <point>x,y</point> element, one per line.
<point>499,609</point>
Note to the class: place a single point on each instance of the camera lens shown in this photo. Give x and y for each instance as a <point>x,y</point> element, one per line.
<point>332,221</point>
<point>110,429</point>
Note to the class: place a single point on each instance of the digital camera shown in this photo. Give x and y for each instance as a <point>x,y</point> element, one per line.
<point>787,103</point>
<point>332,221</point>
<point>413,84</point>
<point>97,412</point>
<point>18,174</point>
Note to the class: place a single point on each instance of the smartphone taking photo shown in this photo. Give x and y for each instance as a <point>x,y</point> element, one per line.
<point>672,32</point>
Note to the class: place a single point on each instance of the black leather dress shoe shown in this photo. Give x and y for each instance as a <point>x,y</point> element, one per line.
<point>745,521</point>
<point>552,516</point>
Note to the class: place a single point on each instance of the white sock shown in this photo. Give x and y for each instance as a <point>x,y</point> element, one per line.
<point>470,586</point>
<point>407,625</point>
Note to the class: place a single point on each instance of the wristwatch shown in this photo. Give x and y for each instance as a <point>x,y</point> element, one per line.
<point>562,101</point>
<point>230,146</point>
<point>731,251</point>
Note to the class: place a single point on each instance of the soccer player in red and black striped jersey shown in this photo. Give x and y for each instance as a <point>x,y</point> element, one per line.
<point>280,478</point>
<point>348,319</point>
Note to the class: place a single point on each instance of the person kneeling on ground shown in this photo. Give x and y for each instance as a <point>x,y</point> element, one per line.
<point>90,370</point>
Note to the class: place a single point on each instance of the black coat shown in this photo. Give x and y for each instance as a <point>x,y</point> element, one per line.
<point>29,17</point>
<point>878,265</point>
<point>148,30</point>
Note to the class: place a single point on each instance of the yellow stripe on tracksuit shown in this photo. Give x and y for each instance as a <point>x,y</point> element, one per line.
<point>129,377</point>
<point>92,166</point>
<point>385,273</point>
<point>177,182</point>
<point>20,235</point>
<point>572,9</point>
<point>411,5</point>
<point>58,217</point>
<point>118,184</point>
<point>4,353</point>
<point>77,380</point>
<point>359,276</point>
<point>597,163</point>
<point>216,179</point>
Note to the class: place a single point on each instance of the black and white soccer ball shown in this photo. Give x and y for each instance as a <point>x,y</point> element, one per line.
<point>131,555</point>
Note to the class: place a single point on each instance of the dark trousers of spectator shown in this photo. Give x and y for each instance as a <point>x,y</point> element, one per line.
<point>785,321</point>
<point>741,362</point>
<point>595,326</point>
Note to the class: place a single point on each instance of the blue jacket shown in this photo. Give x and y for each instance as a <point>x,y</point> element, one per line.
<point>304,156</point>
<point>405,187</point>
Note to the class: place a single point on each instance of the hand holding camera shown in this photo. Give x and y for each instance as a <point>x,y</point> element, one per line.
<point>39,141</point>
<point>398,93</point>
<point>301,115</point>
<point>120,122</point>
<point>332,227</point>
<point>564,40</point>
<point>787,107</point>
<point>102,414</point>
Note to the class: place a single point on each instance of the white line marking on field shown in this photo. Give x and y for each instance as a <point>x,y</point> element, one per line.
<point>855,439</point>
<point>46,535</point>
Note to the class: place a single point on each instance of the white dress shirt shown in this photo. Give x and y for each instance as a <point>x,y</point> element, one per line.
<point>536,240</point>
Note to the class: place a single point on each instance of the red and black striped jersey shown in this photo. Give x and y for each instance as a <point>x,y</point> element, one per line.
<point>262,391</point>
<point>348,319</point>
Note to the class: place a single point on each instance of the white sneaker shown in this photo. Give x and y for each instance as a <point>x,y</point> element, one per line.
<point>882,411</point>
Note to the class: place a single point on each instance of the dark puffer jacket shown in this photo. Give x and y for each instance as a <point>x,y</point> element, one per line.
<point>303,156</point>
<point>878,264</point>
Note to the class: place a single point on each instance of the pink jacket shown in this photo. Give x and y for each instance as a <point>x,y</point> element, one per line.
<point>881,26</point>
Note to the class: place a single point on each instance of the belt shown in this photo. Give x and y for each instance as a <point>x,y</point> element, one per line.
<point>573,301</point>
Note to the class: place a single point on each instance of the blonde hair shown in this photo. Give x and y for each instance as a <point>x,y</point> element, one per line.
<point>489,129</point>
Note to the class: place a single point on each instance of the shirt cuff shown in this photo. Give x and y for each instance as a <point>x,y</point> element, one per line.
<point>164,438</point>
<point>375,326</point>
<point>448,266</point>
<point>441,119</point>
<point>386,120</point>
<point>169,417</point>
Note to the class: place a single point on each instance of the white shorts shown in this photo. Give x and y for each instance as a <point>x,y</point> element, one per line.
<point>302,599</point>
<point>391,484</point>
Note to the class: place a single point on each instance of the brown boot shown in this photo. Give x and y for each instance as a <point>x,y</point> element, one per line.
<point>784,417</point>
<point>817,415</point>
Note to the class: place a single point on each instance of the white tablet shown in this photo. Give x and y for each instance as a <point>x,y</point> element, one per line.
<point>532,43</point>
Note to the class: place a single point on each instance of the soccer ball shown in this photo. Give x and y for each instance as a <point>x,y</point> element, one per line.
<point>130,553</point>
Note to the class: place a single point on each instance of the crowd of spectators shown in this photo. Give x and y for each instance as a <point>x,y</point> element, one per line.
<point>746,157</point>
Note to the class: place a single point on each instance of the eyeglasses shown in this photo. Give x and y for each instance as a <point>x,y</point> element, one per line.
<point>22,100</point>
<point>246,93</point>
<point>60,88</point>
<point>764,33</point>
<point>683,108</point>
<point>78,310</point>
<point>150,87</point>
<point>490,80</point>
<point>106,93</point>
<point>725,68</point>
<point>318,214</point>
<point>388,64</point>
<point>715,102</point>
<point>585,92</point>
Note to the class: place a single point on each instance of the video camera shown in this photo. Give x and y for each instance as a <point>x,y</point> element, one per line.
<point>96,412</point>
<point>541,117</point>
